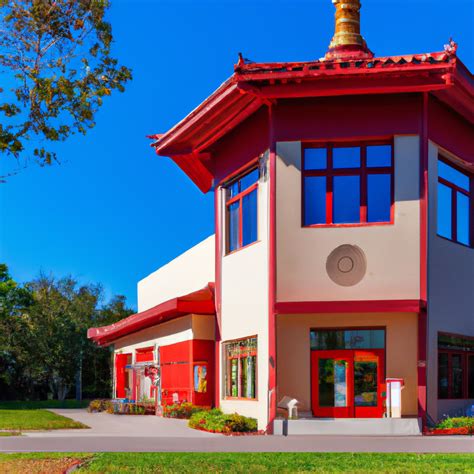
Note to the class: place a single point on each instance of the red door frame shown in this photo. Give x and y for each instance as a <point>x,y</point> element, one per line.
<point>333,412</point>
<point>351,411</point>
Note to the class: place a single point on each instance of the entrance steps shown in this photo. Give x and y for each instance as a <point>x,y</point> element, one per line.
<point>349,426</point>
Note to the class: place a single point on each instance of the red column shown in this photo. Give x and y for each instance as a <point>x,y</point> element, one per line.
<point>272,356</point>
<point>422,356</point>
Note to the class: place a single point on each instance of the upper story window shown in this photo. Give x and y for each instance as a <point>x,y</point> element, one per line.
<point>241,211</point>
<point>455,204</point>
<point>348,184</point>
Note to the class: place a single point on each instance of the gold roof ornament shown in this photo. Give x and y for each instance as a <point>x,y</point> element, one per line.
<point>347,42</point>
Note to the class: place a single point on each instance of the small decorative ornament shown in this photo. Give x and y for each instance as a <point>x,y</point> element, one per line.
<point>346,265</point>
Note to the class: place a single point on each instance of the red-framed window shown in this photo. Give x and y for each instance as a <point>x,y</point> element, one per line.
<point>455,367</point>
<point>241,368</point>
<point>348,184</point>
<point>242,210</point>
<point>455,204</point>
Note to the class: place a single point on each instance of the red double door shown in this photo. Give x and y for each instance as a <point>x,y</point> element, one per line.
<point>348,383</point>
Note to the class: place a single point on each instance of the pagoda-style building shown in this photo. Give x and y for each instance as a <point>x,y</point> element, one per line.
<point>342,266</point>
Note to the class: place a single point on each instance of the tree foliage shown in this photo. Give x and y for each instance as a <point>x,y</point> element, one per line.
<point>55,59</point>
<point>43,341</point>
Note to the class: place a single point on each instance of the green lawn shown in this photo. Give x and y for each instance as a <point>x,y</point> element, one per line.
<point>254,462</point>
<point>18,420</point>
<point>9,433</point>
<point>34,405</point>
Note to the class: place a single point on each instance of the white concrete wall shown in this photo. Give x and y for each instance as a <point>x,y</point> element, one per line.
<point>189,272</point>
<point>450,292</point>
<point>392,251</point>
<point>245,306</point>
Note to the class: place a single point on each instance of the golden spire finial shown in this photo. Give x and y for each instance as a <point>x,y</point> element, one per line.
<point>347,42</point>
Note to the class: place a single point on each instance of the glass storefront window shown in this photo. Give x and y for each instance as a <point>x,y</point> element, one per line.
<point>325,340</point>
<point>241,368</point>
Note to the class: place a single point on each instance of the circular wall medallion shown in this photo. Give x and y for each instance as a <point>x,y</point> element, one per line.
<point>346,265</point>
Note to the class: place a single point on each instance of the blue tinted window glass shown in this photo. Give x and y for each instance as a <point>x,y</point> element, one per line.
<point>346,157</point>
<point>463,218</point>
<point>453,175</point>
<point>315,159</point>
<point>314,200</point>
<point>346,199</point>
<point>233,214</point>
<point>379,197</point>
<point>249,179</point>
<point>379,156</point>
<point>232,190</point>
<point>249,218</point>
<point>444,211</point>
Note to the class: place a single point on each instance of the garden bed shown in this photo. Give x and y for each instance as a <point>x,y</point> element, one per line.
<point>461,426</point>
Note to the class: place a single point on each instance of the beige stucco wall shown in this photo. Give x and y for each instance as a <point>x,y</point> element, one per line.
<point>392,251</point>
<point>244,308</point>
<point>189,272</point>
<point>450,293</point>
<point>179,330</point>
<point>294,354</point>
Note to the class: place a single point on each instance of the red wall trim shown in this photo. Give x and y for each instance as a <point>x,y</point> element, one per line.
<point>217,294</point>
<point>422,362</point>
<point>363,306</point>
<point>272,354</point>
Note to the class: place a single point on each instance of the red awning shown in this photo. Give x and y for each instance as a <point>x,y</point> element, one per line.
<point>198,302</point>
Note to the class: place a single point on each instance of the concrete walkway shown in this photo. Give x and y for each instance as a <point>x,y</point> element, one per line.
<point>150,434</point>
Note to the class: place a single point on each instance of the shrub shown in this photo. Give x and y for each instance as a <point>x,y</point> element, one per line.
<point>460,422</point>
<point>181,410</point>
<point>96,406</point>
<point>218,422</point>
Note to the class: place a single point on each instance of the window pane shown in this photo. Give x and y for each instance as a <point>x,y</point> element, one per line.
<point>346,157</point>
<point>444,211</point>
<point>233,189</point>
<point>470,377</point>
<point>249,179</point>
<point>443,376</point>
<point>315,159</point>
<point>458,374</point>
<point>324,340</point>
<point>463,218</point>
<point>346,199</point>
<point>453,175</point>
<point>248,377</point>
<point>233,215</point>
<point>379,156</point>
<point>315,200</point>
<point>379,197</point>
<point>249,218</point>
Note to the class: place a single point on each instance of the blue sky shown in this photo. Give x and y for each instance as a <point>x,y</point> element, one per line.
<point>112,211</point>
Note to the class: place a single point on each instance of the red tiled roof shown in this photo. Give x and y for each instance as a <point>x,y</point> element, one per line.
<point>255,84</point>
<point>198,302</point>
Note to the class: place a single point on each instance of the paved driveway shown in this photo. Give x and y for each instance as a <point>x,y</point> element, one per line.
<point>152,434</point>
<point>106,425</point>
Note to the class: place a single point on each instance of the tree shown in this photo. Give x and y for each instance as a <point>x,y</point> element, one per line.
<point>59,318</point>
<point>56,59</point>
<point>14,303</point>
<point>97,361</point>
